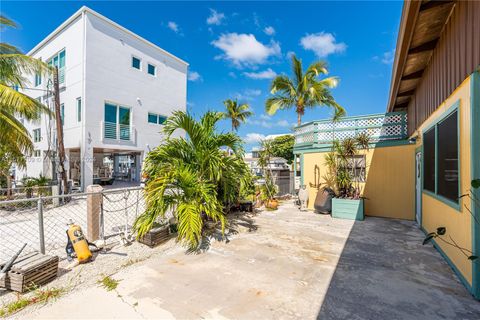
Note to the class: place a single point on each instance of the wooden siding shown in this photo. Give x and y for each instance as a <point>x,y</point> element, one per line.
<point>455,57</point>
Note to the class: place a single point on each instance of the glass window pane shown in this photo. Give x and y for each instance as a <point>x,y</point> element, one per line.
<point>161,119</point>
<point>152,118</point>
<point>151,69</point>
<point>79,109</point>
<point>136,63</point>
<point>124,115</point>
<point>429,160</point>
<point>110,113</point>
<point>62,59</point>
<point>448,158</point>
<point>55,61</point>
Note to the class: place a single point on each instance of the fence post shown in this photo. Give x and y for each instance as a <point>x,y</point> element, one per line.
<point>41,233</point>
<point>94,200</point>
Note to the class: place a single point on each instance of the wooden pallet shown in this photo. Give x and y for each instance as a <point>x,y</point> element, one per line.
<point>155,236</point>
<point>33,269</point>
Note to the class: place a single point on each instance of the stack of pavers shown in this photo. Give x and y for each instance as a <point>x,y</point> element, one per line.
<point>31,270</point>
<point>156,236</point>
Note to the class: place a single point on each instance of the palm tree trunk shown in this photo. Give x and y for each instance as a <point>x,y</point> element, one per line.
<point>9,186</point>
<point>299,118</point>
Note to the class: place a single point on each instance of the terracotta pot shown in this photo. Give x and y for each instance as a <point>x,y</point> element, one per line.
<point>272,204</point>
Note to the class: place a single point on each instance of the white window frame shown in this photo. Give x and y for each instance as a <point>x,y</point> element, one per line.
<point>131,62</point>
<point>35,137</point>
<point>158,115</point>
<point>154,69</point>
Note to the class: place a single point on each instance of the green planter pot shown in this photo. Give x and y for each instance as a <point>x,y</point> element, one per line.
<point>347,209</point>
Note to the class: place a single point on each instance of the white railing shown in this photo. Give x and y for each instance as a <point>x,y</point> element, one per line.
<point>118,132</point>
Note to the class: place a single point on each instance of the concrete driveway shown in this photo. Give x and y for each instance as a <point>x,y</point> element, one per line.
<point>290,265</point>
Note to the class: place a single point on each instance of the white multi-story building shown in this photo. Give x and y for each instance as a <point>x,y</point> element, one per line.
<point>116,90</point>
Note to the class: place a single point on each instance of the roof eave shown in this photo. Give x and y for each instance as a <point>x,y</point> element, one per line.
<point>407,26</point>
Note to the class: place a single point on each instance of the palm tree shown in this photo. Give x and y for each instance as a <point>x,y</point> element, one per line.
<point>14,67</point>
<point>303,90</point>
<point>237,113</point>
<point>193,177</point>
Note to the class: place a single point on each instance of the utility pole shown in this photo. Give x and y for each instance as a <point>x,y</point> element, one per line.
<point>58,121</point>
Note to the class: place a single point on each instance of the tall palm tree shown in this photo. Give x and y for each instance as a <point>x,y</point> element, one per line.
<point>14,69</point>
<point>303,90</point>
<point>193,177</point>
<point>237,113</point>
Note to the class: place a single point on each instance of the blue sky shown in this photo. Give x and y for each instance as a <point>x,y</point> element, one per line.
<point>234,48</point>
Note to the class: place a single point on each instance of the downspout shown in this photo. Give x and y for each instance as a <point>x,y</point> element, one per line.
<point>475,174</point>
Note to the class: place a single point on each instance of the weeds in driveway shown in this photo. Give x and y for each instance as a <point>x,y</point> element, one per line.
<point>109,283</point>
<point>39,296</point>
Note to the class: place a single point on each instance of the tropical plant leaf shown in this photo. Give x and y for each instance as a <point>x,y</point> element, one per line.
<point>476,183</point>
<point>441,231</point>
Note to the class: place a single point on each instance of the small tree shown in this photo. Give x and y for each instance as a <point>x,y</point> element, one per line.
<point>269,189</point>
<point>283,147</point>
<point>340,162</point>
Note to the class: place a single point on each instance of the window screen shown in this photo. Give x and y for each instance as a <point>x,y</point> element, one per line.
<point>447,163</point>
<point>429,160</point>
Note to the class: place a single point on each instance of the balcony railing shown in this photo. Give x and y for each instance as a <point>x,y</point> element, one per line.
<point>380,127</point>
<point>118,132</point>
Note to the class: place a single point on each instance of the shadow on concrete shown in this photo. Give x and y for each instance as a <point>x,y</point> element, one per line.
<point>235,222</point>
<point>384,272</point>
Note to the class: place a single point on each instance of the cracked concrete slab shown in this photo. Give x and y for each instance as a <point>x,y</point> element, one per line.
<point>290,265</point>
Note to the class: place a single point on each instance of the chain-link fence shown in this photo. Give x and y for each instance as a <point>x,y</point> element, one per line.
<point>42,222</point>
<point>25,192</point>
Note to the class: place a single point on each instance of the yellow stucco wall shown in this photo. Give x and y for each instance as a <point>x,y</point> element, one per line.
<point>435,213</point>
<point>390,180</point>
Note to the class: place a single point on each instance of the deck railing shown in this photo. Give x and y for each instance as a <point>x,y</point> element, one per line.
<point>380,127</point>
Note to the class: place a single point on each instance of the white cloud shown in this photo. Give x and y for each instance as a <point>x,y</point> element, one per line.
<point>269,30</point>
<point>323,44</point>
<point>194,76</point>
<point>215,18</point>
<point>245,50</point>
<point>388,57</point>
<point>173,26</point>
<point>232,74</point>
<point>253,137</point>
<point>266,121</point>
<point>266,74</point>
<point>248,94</point>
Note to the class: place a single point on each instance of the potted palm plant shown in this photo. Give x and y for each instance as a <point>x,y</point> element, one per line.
<point>344,178</point>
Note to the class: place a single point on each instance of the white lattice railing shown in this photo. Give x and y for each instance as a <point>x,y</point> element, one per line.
<point>380,127</point>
